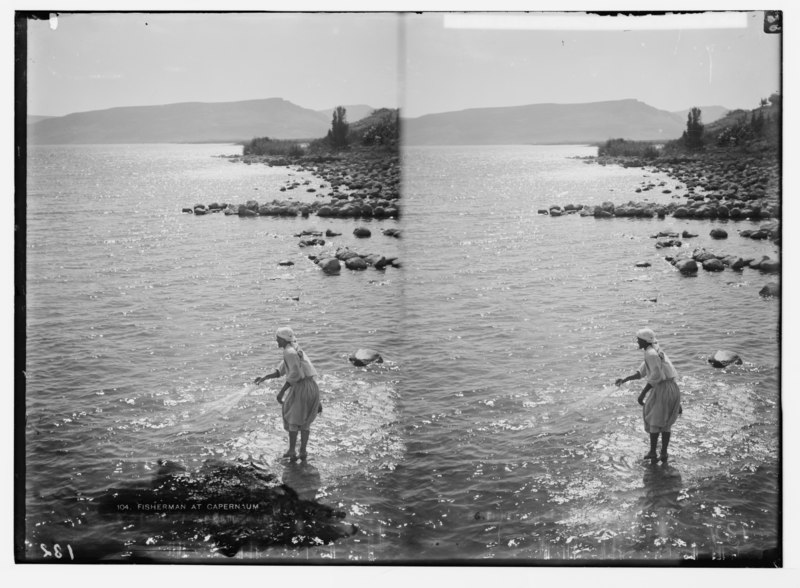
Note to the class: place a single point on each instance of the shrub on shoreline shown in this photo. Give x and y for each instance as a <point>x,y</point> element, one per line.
<point>624,147</point>
<point>267,146</point>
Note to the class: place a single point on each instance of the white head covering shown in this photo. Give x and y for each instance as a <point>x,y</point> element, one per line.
<point>650,337</point>
<point>286,334</point>
<point>646,335</point>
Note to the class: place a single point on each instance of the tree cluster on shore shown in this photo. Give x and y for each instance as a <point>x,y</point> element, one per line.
<point>381,129</point>
<point>747,131</point>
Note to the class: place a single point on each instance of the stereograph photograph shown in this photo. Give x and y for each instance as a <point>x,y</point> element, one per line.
<point>378,288</point>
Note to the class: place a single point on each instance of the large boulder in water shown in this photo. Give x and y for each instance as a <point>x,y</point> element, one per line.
<point>718,234</point>
<point>362,232</point>
<point>713,265</point>
<point>770,266</point>
<point>330,265</point>
<point>724,358</point>
<point>702,255</point>
<point>356,263</point>
<point>364,357</point>
<point>687,266</point>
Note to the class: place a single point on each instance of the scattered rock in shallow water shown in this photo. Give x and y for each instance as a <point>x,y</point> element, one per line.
<point>364,357</point>
<point>330,233</point>
<point>718,234</point>
<point>702,255</point>
<point>643,264</point>
<point>246,212</point>
<point>542,211</point>
<point>687,266</point>
<point>356,263</point>
<point>770,266</point>
<point>189,210</point>
<point>670,243</point>
<point>286,263</point>
<point>384,261</point>
<point>734,262</point>
<point>713,265</point>
<point>771,290</point>
<point>688,235</point>
<point>311,242</point>
<point>724,358</point>
<point>392,233</point>
<point>330,265</point>
<point>343,254</point>
<point>362,232</point>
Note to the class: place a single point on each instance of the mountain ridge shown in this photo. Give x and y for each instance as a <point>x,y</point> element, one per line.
<point>545,123</point>
<point>185,122</point>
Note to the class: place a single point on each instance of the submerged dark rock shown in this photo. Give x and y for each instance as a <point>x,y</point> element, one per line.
<point>330,265</point>
<point>687,266</point>
<point>771,290</point>
<point>356,263</point>
<point>226,505</point>
<point>312,242</point>
<point>713,265</point>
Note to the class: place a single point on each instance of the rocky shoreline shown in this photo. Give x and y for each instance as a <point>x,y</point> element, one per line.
<point>712,185</point>
<point>359,183</point>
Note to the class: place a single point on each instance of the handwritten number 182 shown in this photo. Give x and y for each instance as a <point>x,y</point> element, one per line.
<point>57,551</point>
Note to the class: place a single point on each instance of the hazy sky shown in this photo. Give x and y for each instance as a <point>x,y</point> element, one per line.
<point>97,61</point>
<point>454,69</point>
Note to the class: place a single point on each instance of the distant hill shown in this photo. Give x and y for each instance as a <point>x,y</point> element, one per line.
<point>708,114</point>
<point>189,122</point>
<point>33,118</point>
<point>544,124</point>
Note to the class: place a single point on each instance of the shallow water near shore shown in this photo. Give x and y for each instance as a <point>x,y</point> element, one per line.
<point>493,429</point>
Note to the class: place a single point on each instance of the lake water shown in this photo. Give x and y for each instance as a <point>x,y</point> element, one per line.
<point>491,431</point>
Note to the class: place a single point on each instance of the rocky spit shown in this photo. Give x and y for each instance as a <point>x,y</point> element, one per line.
<point>359,183</point>
<point>712,185</point>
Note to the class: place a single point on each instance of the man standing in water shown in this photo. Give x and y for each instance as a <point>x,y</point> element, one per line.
<point>664,404</point>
